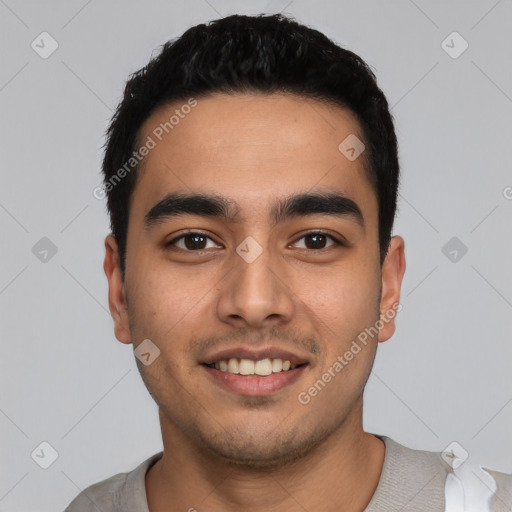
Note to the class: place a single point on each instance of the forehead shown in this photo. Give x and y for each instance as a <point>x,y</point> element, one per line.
<point>251,148</point>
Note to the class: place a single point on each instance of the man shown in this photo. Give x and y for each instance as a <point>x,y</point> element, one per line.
<point>251,174</point>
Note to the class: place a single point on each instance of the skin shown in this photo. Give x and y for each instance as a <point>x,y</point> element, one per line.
<point>224,451</point>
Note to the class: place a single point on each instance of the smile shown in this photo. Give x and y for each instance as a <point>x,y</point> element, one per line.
<point>263,367</point>
<point>241,375</point>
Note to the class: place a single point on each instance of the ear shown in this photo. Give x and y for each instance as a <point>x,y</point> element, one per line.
<point>116,293</point>
<point>393,270</point>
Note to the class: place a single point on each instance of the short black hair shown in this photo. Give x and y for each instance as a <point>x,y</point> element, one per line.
<point>243,54</point>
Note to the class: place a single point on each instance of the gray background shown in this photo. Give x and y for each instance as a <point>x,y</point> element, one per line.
<point>446,374</point>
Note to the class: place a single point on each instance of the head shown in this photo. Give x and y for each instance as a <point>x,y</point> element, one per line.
<point>251,173</point>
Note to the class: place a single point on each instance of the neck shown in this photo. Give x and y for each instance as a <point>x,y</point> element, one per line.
<point>341,474</point>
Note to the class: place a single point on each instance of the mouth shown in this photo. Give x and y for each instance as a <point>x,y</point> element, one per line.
<point>254,374</point>
<point>249,367</point>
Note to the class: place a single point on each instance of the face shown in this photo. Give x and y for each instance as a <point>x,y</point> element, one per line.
<point>272,263</point>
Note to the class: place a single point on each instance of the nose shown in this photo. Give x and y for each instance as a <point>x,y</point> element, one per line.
<point>255,294</point>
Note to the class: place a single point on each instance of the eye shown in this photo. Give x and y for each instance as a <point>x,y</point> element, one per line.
<point>317,240</point>
<point>192,241</point>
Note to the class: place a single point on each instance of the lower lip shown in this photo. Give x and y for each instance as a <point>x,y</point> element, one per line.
<point>255,385</point>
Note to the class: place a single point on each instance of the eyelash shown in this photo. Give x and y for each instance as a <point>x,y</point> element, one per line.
<point>311,233</point>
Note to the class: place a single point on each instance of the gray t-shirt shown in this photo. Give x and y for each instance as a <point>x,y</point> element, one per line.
<point>411,481</point>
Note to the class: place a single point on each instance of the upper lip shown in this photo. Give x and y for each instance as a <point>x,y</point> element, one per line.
<point>254,355</point>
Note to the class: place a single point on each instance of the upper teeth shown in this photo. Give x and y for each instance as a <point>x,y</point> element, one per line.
<point>250,367</point>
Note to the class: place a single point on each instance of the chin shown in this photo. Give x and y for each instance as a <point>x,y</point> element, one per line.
<point>265,450</point>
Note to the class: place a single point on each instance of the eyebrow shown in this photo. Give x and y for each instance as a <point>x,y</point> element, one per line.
<point>214,206</point>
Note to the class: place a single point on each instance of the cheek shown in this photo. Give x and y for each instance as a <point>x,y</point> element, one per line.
<point>343,319</point>
<point>170,308</point>
<point>342,305</point>
<point>351,290</point>
<point>158,302</point>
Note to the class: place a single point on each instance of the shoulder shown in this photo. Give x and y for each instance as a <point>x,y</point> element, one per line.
<point>479,488</point>
<point>98,497</point>
<point>124,491</point>
<point>451,478</point>
<point>410,480</point>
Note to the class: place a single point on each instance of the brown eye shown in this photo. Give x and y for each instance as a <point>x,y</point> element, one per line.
<point>193,241</point>
<point>318,240</point>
